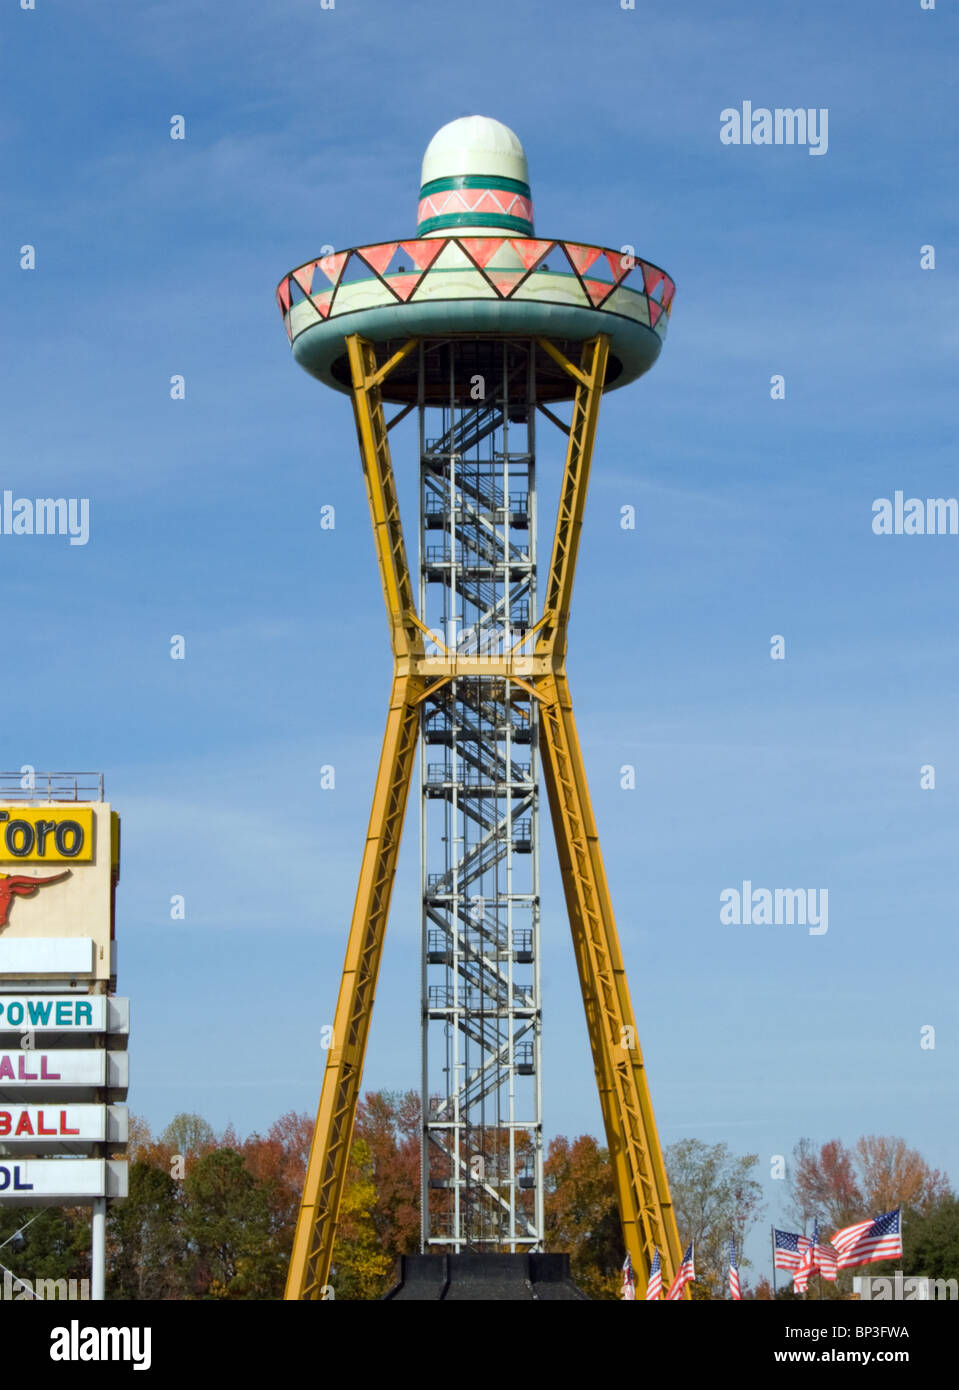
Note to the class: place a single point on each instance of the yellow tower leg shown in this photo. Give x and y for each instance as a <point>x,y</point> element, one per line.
<point>329,1154</point>
<point>642,1189</point>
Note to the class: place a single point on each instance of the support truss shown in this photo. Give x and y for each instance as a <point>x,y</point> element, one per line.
<point>482,1185</point>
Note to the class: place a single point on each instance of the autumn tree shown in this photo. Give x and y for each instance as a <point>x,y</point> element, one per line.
<point>930,1240</point>
<point>188,1134</point>
<point>360,1266</point>
<point>582,1218</point>
<point>715,1197</point>
<point>840,1185</point>
<point>53,1242</point>
<point>379,1216</point>
<point>234,1204</point>
<point>214,1217</point>
<point>893,1175</point>
<point>233,1250</point>
<point>389,1122</point>
<point>279,1160</point>
<point>147,1246</point>
<point>825,1185</point>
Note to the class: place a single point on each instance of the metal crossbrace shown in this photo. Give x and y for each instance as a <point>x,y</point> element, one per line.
<point>484,1077</point>
<point>481,971</point>
<point>458,1162</point>
<point>381,489</point>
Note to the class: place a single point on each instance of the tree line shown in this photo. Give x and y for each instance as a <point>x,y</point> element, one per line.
<point>213,1217</point>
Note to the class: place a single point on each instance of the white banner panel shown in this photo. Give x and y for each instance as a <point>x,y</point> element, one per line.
<point>49,955</point>
<point>45,1182</point>
<point>61,1069</point>
<point>54,1125</point>
<point>63,1013</point>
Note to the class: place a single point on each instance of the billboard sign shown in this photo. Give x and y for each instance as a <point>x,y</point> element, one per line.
<point>69,1014</point>
<point>58,1126</point>
<point>58,871</point>
<point>52,1182</point>
<point>27,1072</point>
<point>47,834</point>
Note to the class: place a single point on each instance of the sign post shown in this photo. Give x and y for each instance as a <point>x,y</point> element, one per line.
<point>98,1250</point>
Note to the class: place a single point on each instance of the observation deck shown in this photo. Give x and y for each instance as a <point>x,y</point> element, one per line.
<point>479,290</point>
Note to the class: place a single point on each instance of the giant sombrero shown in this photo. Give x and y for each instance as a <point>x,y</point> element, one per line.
<point>475,271</point>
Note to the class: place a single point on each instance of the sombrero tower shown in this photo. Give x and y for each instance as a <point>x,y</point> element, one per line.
<point>481,327</point>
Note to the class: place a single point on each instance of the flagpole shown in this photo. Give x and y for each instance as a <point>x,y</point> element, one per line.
<point>815,1255</point>
<point>772,1237</point>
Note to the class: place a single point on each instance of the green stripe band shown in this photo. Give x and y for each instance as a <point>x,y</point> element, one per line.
<point>474,219</point>
<point>474,181</point>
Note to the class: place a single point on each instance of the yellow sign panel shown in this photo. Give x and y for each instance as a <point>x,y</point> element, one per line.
<point>46,834</point>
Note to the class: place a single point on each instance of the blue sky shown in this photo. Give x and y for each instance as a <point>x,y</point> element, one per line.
<point>306,127</point>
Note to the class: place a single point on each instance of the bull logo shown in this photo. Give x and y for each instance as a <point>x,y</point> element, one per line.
<point>20,886</point>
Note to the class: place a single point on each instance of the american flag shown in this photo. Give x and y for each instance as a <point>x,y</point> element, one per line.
<point>685,1274</point>
<point>827,1261</point>
<point>870,1240</point>
<point>789,1249</point>
<point>815,1256</point>
<point>654,1289</point>
<point>807,1264</point>
<point>734,1288</point>
<point>629,1280</point>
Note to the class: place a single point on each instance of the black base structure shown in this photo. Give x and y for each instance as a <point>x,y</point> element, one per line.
<point>485,1278</point>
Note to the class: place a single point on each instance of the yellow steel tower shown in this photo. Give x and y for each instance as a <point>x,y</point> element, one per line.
<point>481,326</point>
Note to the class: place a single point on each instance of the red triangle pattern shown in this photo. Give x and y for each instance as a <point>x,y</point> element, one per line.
<point>332,266</point>
<point>403,285</point>
<point>598,290</point>
<point>619,270</point>
<point>652,277</point>
<point>481,248</point>
<point>530,251</point>
<point>581,257</point>
<point>423,253</point>
<point>304,277</point>
<point>506,281</point>
<point>379,257</point>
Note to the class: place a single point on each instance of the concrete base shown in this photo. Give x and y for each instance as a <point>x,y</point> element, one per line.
<point>485,1278</point>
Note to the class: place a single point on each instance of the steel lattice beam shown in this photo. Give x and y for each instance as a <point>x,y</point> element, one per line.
<point>644,1202</point>
<point>329,1153</point>
<point>481,1014</point>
